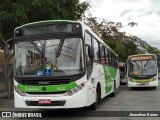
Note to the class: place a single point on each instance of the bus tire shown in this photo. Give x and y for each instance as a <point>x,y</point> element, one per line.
<point>98,97</point>
<point>154,87</point>
<point>114,91</point>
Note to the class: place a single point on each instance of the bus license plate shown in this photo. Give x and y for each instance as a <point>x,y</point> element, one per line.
<point>143,84</point>
<point>44,101</point>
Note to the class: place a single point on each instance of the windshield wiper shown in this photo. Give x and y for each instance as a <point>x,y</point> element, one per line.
<point>37,48</point>
<point>60,45</point>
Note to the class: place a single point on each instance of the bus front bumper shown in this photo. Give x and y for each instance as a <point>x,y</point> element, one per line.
<point>76,100</point>
<point>147,84</point>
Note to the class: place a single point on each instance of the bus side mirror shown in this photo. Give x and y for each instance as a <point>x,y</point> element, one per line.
<point>90,52</point>
<point>9,45</point>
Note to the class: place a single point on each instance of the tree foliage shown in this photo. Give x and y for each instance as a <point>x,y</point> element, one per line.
<point>121,43</point>
<point>14,13</point>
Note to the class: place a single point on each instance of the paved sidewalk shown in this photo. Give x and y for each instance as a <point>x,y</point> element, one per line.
<point>3,94</point>
<point>5,102</point>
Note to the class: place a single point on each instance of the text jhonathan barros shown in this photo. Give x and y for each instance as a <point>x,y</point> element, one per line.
<point>143,114</point>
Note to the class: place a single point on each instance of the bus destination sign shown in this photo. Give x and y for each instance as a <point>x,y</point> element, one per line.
<point>141,58</point>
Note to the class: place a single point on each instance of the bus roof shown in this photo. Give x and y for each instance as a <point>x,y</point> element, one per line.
<point>46,21</point>
<point>84,27</point>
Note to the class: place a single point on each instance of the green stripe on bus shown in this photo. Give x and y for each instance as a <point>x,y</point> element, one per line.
<point>48,88</point>
<point>110,74</point>
<point>142,81</point>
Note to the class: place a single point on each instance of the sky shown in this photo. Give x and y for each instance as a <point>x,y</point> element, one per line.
<point>146,13</point>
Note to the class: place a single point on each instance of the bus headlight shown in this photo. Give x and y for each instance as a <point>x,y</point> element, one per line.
<point>130,79</point>
<point>154,78</point>
<point>19,92</point>
<point>76,89</point>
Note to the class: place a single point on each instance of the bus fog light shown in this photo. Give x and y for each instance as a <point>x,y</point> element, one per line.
<point>130,79</point>
<point>19,92</point>
<point>154,78</point>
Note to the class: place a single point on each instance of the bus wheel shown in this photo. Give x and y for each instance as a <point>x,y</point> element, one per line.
<point>114,91</point>
<point>132,88</point>
<point>154,87</point>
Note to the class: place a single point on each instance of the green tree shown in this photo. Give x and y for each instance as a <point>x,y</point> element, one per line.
<point>121,43</point>
<point>14,13</point>
<point>110,32</point>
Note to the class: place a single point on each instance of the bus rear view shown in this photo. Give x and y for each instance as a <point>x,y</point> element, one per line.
<point>142,71</point>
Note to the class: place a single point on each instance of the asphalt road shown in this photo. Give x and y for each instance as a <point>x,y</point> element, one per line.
<point>140,99</point>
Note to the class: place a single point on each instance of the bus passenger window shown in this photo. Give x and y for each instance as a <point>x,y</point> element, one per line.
<point>88,43</point>
<point>102,54</point>
<point>96,51</point>
<point>106,56</point>
<point>110,58</point>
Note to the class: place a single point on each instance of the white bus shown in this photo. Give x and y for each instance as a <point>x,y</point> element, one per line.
<point>142,71</point>
<point>62,64</point>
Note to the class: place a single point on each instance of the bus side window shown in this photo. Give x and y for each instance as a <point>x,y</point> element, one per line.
<point>106,56</point>
<point>117,60</point>
<point>114,61</point>
<point>96,51</point>
<point>88,42</point>
<point>109,58</point>
<point>102,54</point>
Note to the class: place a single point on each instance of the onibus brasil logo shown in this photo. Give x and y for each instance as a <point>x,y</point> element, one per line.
<point>21,114</point>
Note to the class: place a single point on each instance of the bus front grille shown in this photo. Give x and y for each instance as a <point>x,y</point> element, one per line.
<point>44,93</point>
<point>53,103</point>
<point>45,82</point>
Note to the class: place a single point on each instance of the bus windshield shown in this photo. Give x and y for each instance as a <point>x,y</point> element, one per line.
<point>51,57</point>
<point>142,67</point>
